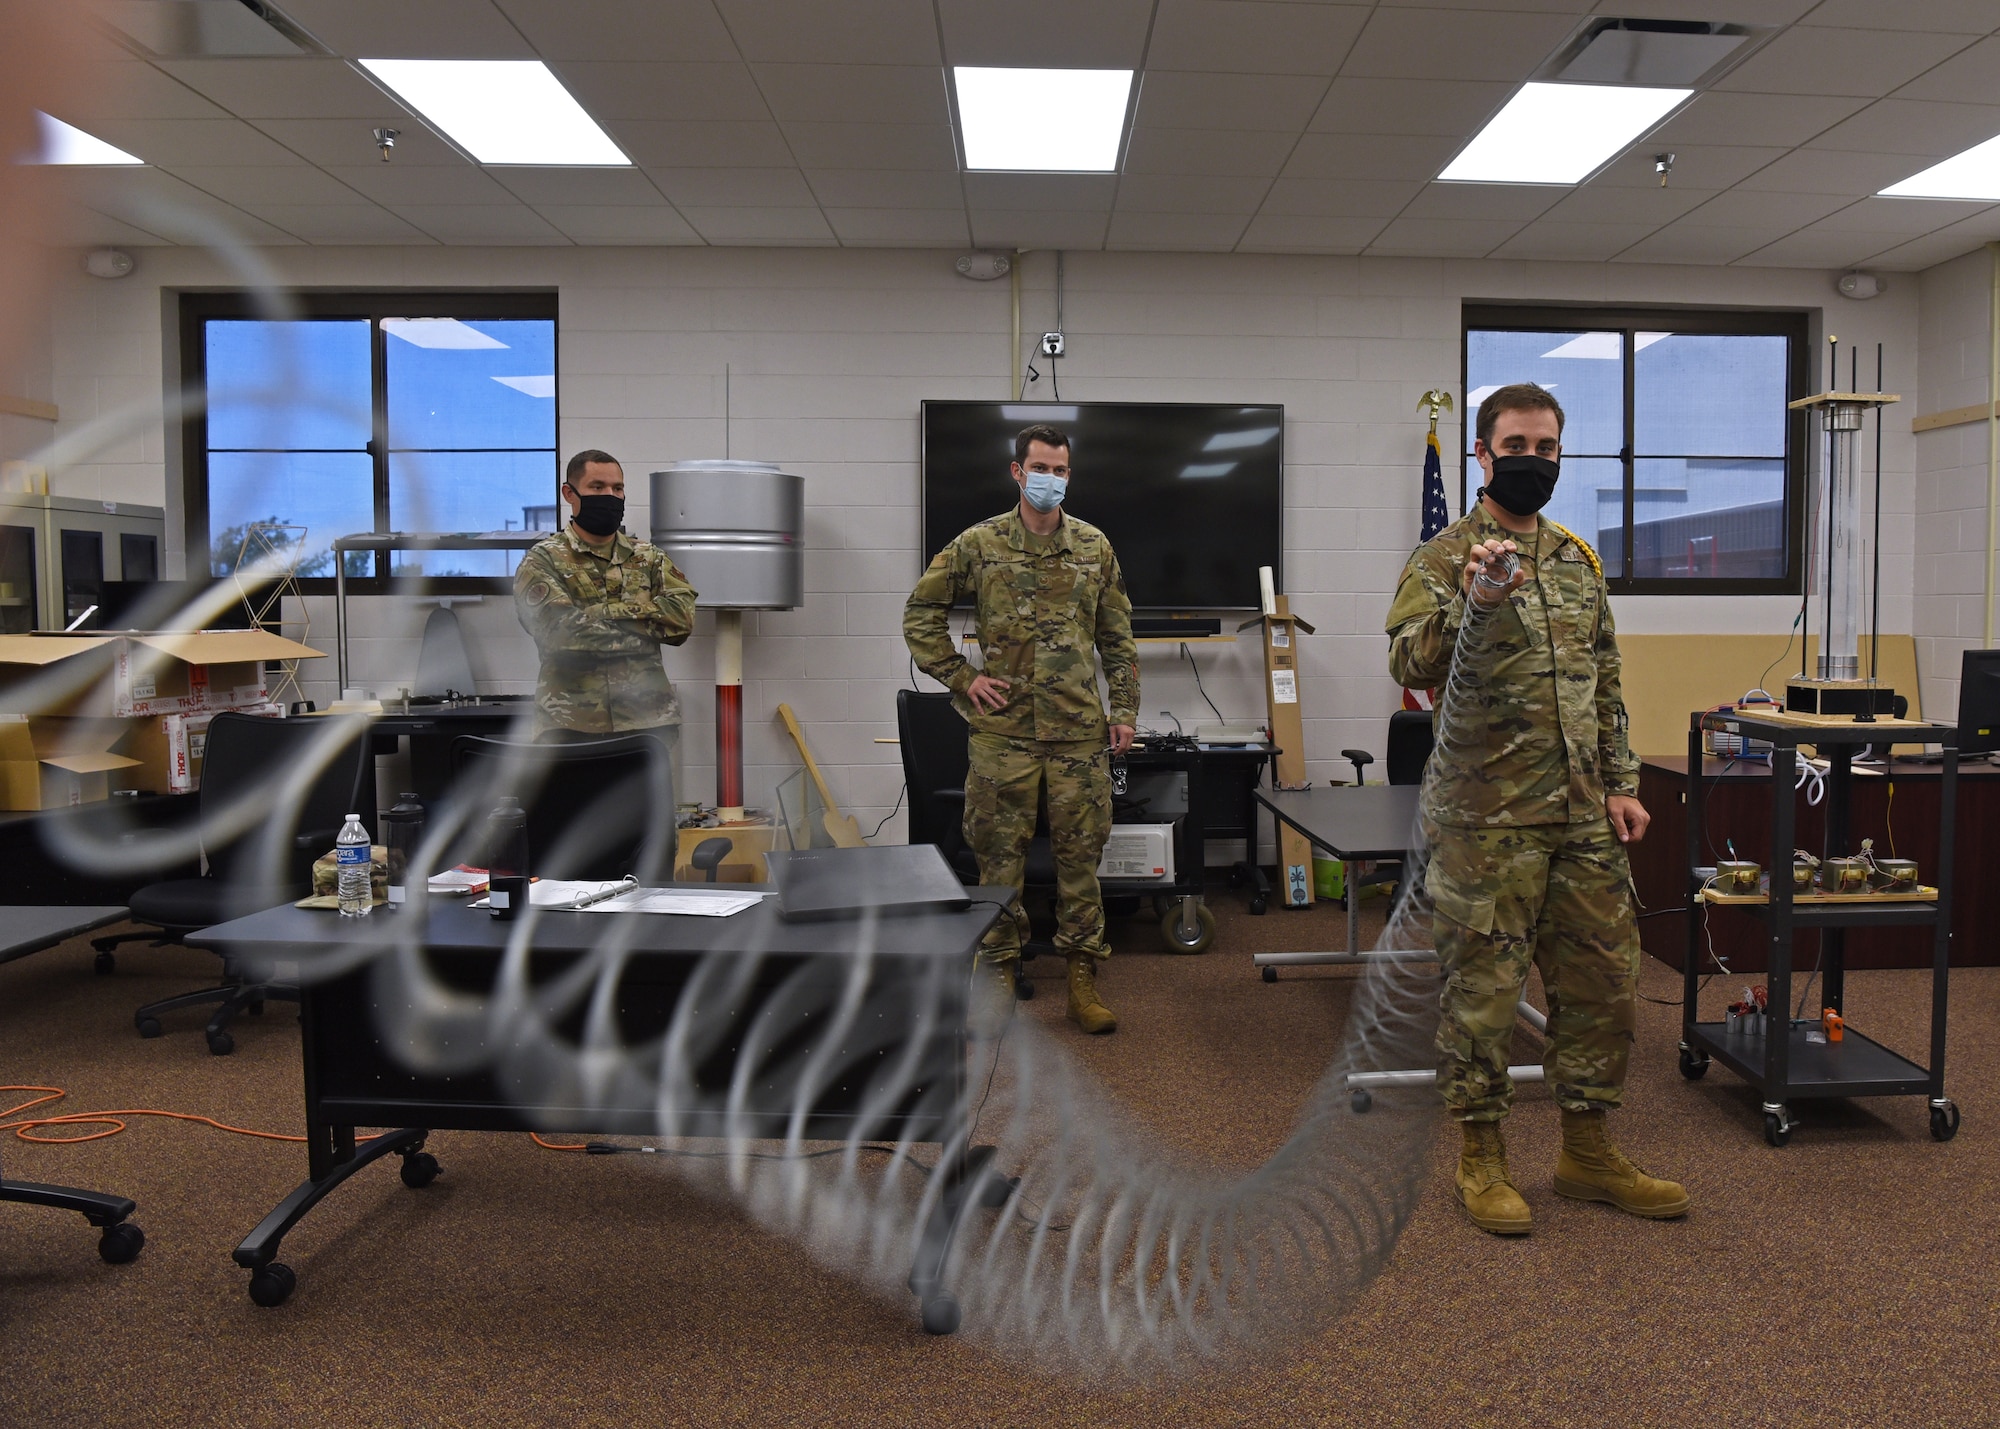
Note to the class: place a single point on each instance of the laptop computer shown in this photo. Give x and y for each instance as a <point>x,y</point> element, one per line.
<point>849,882</point>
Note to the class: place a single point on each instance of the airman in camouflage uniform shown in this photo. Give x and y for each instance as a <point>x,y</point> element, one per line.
<point>599,608</point>
<point>1045,606</point>
<point>1529,800</point>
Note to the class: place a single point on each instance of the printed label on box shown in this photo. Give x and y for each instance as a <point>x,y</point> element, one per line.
<point>1284,687</point>
<point>1281,637</point>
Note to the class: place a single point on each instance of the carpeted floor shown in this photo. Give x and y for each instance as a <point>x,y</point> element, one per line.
<point>1847,1279</point>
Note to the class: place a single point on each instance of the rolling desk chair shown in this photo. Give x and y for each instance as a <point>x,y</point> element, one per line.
<point>245,764</point>
<point>1412,734</point>
<point>935,763</point>
<point>597,809</point>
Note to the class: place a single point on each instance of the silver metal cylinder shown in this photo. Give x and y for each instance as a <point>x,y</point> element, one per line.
<point>737,531</point>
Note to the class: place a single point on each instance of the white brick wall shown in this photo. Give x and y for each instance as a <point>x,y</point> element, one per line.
<point>830,352</point>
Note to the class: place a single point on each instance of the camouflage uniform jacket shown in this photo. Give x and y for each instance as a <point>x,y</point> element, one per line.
<point>599,617</point>
<point>1042,604</point>
<point>1552,729</point>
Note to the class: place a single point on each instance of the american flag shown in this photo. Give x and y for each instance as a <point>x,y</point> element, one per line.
<point>1437,516</point>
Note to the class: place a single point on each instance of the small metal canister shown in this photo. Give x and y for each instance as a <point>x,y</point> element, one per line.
<point>1896,875</point>
<point>1736,877</point>
<point>1843,875</point>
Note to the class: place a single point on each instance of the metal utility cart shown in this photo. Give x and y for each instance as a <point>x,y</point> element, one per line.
<point>1782,1063</point>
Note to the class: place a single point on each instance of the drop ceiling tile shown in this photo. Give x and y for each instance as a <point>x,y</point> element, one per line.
<point>1898,218</point>
<point>1939,247</point>
<point>619,223</point>
<point>1688,242</point>
<point>468,224</point>
<point>1751,208</point>
<point>1780,120</point>
<point>255,186</point>
<point>1831,171</point>
<point>1378,156</point>
<point>602,188</point>
<point>1012,228</point>
<point>1304,233</point>
<point>1190,100</point>
<point>779,226</point>
<point>411,29</point>
<point>1696,166</point>
<point>1812,250</point>
<point>1573,242</point>
<point>1199,151</point>
<point>1970,76</point>
<point>71,225</point>
<point>1914,126</point>
<point>131,89</point>
<point>901,227</point>
<point>1177,193</point>
<point>341,223</point>
<point>651,89</point>
<point>1508,205</point>
<point>887,188</point>
<point>687,31</point>
<point>395,184</point>
<point>696,144</point>
<point>1458,108</point>
<point>1413,43</point>
<point>1963,17</point>
<point>156,201</point>
<point>283,89</point>
<point>1743,12</point>
<point>851,32</point>
<point>1853,62</point>
<point>209,142</point>
<point>1252,36</point>
<point>1441,237</point>
<point>1176,232</point>
<point>351,142</point>
<point>878,146</point>
<point>867,94</point>
<point>1340,198</point>
<point>1103,34</point>
<point>1649,207</point>
<point>1029,192</point>
<point>735,188</point>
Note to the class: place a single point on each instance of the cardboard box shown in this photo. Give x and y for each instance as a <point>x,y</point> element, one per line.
<point>139,676</point>
<point>50,763</point>
<point>167,752</point>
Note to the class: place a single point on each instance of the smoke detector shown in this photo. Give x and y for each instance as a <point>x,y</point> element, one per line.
<point>107,263</point>
<point>984,267</point>
<point>1858,285</point>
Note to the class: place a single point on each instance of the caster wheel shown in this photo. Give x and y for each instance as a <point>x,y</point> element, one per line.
<point>121,1243</point>
<point>105,965</point>
<point>1777,1128</point>
<point>255,1009</point>
<point>1270,974</point>
<point>1024,991</point>
<point>1694,1065</point>
<point>273,1285</point>
<point>148,1026</point>
<point>221,1043</point>
<point>420,1168</point>
<point>1360,1099</point>
<point>1944,1121</point>
<point>1177,938</point>
<point>1257,907</point>
<point>1162,905</point>
<point>941,1316</point>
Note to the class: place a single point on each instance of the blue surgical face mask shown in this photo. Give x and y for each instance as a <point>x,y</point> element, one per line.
<point>1045,490</point>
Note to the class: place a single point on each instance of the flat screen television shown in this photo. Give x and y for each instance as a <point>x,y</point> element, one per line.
<point>1979,702</point>
<point>1190,494</point>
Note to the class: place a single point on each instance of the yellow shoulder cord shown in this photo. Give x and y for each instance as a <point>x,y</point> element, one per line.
<point>1583,545</point>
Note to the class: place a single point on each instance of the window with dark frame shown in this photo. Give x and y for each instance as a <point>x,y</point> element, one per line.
<point>370,412</point>
<point>1681,464</point>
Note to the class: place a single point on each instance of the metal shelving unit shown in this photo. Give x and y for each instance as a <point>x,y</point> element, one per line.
<point>1787,1068</point>
<point>409,541</point>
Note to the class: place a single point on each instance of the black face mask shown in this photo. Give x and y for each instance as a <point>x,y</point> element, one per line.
<point>599,516</point>
<point>1523,484</point>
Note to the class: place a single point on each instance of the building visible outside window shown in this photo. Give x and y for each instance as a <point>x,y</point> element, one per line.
<point>1681,464</point>
<point>371,413</point>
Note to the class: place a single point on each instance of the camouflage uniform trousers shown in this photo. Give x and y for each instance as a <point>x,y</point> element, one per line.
<point>1559,896</point>
<point>1003,791</point>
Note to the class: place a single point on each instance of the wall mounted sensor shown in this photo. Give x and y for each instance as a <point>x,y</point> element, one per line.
<point>984,267</point>
<point>1859,286</point>
<point>1052,344</point>
<point>107,263</point>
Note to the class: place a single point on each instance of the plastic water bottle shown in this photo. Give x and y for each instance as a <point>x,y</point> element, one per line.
<point>402,831</point>
<point>351,856</point>
<point>507,860</point>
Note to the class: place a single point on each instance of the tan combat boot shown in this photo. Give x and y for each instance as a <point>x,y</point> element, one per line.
<point>992,1000</point>
<point>1592,1169</point>
<point>1086,1008</point>
<point>1485,1188</point>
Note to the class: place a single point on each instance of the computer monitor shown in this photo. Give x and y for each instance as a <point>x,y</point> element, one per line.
<point>1979,702</point>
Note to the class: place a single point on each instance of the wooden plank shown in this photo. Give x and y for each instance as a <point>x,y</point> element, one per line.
<point>28,407</point>
<point>1918,895</point>
<point>842,828</point>
<point>1956,417</point>
<point>1824,399</point>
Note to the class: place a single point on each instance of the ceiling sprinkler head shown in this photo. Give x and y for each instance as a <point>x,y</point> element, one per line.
<point>385,140</point>
<point>1663,164</point>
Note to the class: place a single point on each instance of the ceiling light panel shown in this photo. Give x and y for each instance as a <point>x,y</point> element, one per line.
<point>1974,174</point>
<point>66,144</point>
<point>1042,120</point>
<point>1560,133</point>
<point>501,111</point>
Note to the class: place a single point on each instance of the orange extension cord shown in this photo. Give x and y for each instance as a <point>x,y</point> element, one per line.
<point>113,1122</point>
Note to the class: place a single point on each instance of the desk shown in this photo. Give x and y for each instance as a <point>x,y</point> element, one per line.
<point>874,1085</point>
<point>29,928</point>
<point>32,849</point>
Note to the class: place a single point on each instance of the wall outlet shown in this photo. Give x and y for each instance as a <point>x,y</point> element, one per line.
<point>1052,344</point>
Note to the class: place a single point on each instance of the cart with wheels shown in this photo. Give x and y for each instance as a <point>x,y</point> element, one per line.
<point>1779,1054</point>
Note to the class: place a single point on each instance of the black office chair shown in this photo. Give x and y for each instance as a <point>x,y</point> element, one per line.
<point>935,762</point>
<point>1412,736</point>
<point>260,833</point>
<point>121,1239</point>
<point>597,809</point>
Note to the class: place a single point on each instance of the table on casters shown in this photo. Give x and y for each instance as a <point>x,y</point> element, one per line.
<point>1789,1067</point>
<point>30,928</point>
<point>912,1016</point>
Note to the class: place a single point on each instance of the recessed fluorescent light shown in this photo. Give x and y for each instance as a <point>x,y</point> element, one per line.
<point>544,386</point>
<point>1974,174</point>
<point>1042,120</point>
<point>1480,394</point>
<point>1208,469</point>
<point>66,144</point>
<point>1559,133</point>
<point>438,332</point>
<point>501,111</point>
<point>1604,345</point>
<point>1230,441</point>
